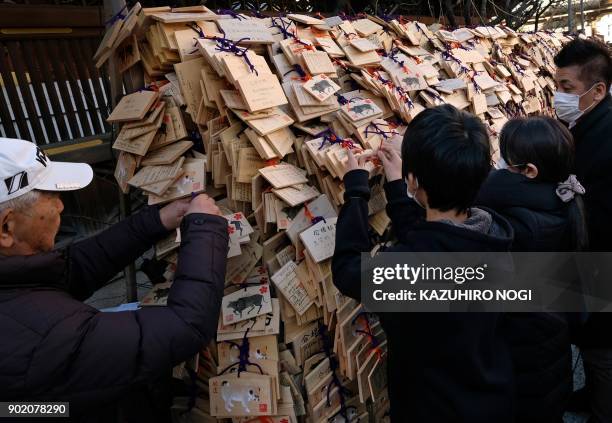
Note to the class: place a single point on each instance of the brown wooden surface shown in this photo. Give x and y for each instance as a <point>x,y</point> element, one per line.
<point>25,33</point>
<point>84,76</point>
<point>52,54</point>
<point>11,90</point>
<point>99,80</point>
<point>67,61</point>
<point>37,16</point>
<point>43,64</point>
<point>16,54</point>
<point>37,86</point>
<point>45,52</point>
<point>47,75</point>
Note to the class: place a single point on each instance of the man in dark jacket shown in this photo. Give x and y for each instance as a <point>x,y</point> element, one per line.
<point>56,348</point>
<point>443,367</point>
<point>583,77</point>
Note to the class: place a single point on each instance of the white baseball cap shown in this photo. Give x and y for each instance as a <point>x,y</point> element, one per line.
<point>24,167</point>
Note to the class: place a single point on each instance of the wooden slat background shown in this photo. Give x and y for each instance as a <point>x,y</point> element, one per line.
<point>53,89</point>
<point>50,90</point>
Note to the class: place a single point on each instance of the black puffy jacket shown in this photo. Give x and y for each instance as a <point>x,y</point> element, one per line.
<point>593,136</point>
<point>56,348</point>
<point>443,367</point>
<point>540,342</point>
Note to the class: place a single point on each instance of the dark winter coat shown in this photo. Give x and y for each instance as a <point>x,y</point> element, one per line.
<point>56,348</point>
<point>443,367</point>
<point>593,137</point>
<point>540,342</point>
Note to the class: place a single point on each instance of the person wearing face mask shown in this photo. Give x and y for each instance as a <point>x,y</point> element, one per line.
<point>584,103</point>
<point>535,190</point>
<point>454,367</point>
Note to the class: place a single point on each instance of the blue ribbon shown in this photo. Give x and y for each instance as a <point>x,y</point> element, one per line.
<point>243,356</point>
<point>378,130</point>
<point>230,13</point>
<point>385,17</point>
<point>284,28</point>
<point>342,99</point>
<point>404,96</point>
<point>317,219</point>
<point>297,69</point>
<point>329,136</point>
<point>224,44</point>
<point>117,16</point>
<point>333,364</point>
<point>393,56</point>
<point>255,12</point>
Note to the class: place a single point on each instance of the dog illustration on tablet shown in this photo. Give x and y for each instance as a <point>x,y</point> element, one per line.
<point>242,394</point>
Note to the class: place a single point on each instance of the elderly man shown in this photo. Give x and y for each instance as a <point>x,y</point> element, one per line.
<point>53,346</point>
<point>582,100</point>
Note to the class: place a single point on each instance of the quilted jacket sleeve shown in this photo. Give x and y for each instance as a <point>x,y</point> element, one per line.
<point>101,353</point>
<point>93,261</point>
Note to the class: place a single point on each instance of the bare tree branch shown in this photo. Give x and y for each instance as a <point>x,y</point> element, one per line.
<point>449,12</point>
<point>467,12</point>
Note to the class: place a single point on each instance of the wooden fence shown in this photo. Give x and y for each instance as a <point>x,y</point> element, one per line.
<point>51,92</point>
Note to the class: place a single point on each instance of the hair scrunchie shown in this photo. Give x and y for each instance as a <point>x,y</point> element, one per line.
<point>568,189</point>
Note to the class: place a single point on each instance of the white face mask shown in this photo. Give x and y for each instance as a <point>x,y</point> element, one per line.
<point>411,195</point>
<point>501,164</point>
<point>567,106</point>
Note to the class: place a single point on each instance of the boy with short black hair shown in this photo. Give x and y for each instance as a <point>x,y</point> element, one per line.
<point>443,367</point>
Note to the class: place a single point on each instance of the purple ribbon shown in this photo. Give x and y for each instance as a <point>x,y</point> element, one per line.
<point>381,79</point>
<point>232,47</point>
<point>435,95</point>
<point>448,56</point>
<point>230,13</point>
<point>226,45</point>
<point>317,219</point>
<point>297,69</point>
<point>255,12</point>
<point>377,130</point>
<point>517,67</point>
<point>404,96</point>
<point>473,43</point>
<point>329,136</point>
<point>284,28</point>
<point>385,17</point>
<point>342,99</point>
<point>477,87</point>
<point>117,16</point>
<point>346,17</point>
<point>195,27</point>
<point>243,356</point>
<point>393,56</point>
<point>333,364</point>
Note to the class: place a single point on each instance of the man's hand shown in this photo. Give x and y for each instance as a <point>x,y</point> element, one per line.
<point>392,163</point>
<point>203,204</point>
<point>356,162</point>
<point>172,214</point>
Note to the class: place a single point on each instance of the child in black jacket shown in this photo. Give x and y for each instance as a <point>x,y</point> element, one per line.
<point>535,191</point>
<point>443,367</point>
